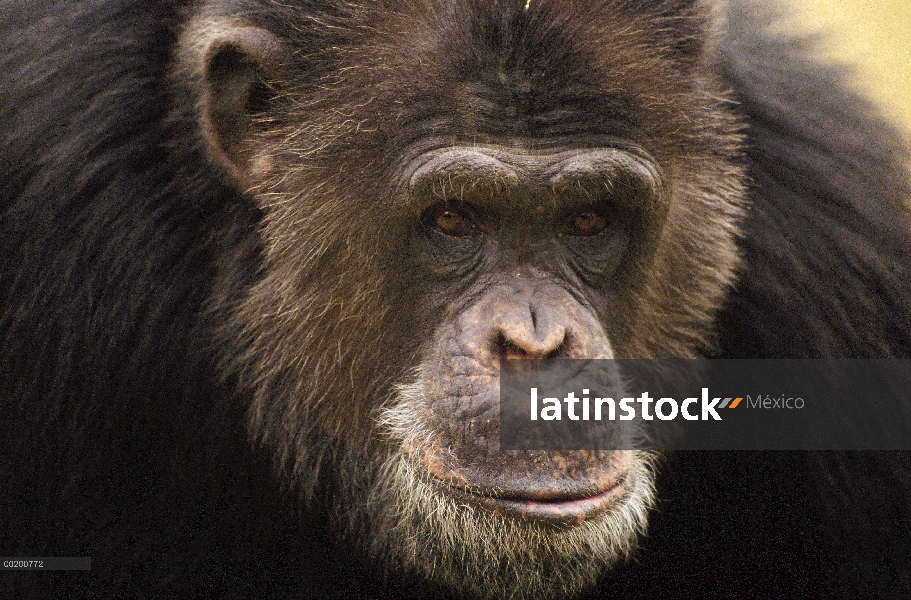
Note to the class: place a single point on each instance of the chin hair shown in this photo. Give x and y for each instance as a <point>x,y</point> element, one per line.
<point>409,523</point>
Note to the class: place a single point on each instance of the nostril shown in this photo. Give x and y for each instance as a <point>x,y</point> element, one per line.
<point>506,348</point>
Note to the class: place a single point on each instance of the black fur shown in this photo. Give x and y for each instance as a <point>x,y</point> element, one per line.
<point>120,441</point>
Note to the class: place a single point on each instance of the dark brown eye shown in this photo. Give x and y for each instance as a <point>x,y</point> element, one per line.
<point>585,223</point>
<point>450,220</point>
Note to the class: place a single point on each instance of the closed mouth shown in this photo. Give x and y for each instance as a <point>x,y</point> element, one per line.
<point>564,509</point>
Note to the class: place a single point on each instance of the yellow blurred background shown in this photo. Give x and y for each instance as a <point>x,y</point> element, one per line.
<point>873,35</point>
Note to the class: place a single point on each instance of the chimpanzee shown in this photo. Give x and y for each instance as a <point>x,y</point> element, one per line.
<point>261,260</point>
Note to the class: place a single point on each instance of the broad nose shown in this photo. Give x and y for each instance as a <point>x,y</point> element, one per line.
<point>531,319</point>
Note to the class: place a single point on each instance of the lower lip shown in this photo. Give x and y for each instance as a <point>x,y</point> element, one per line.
<point>558,512</point>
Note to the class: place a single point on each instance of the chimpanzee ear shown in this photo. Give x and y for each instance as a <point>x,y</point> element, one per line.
<point>235,65</point>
